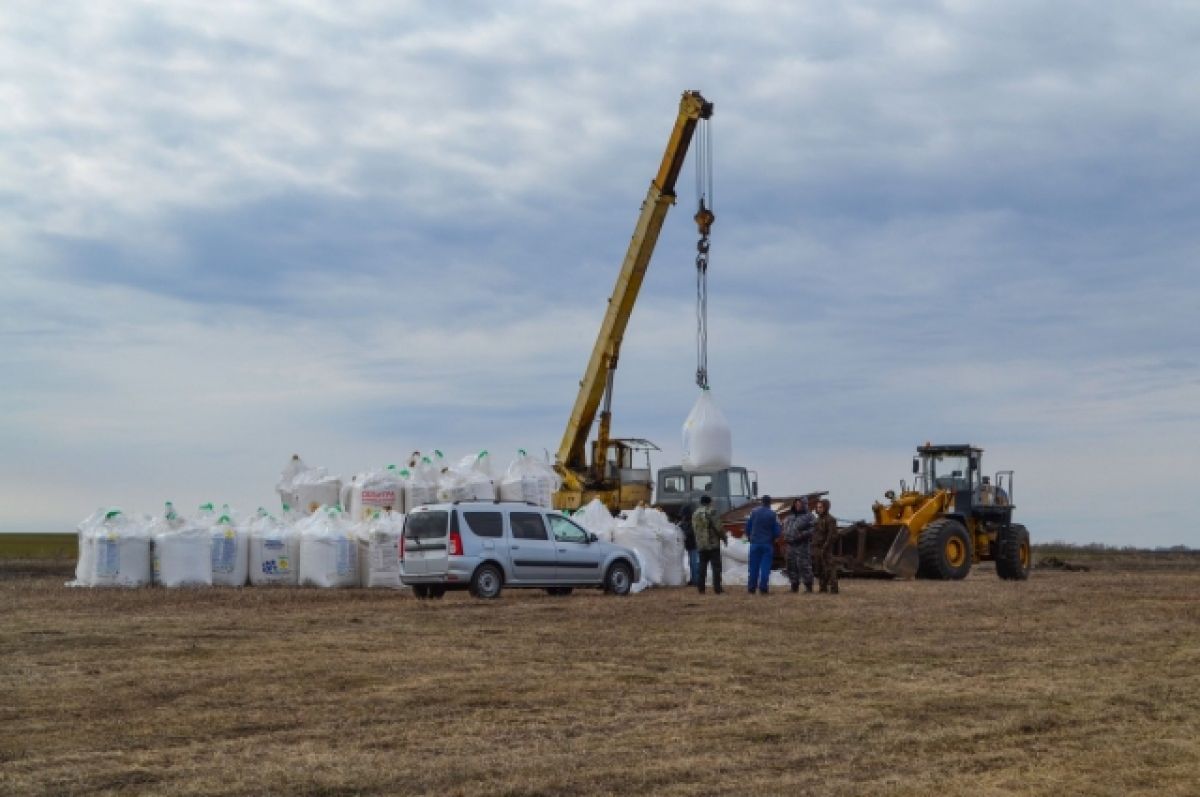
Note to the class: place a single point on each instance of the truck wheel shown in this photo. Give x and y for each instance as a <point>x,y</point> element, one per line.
<point>1013,557</point>
<point>619,579</point>
<point>944,548</point>
<point>487,582</point>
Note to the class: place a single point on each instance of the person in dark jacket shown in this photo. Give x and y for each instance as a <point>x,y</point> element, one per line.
<point>689,544</point>
<point>824,534</point>
<point>797,533</point>
<point>710,536</point>
<point>762,529</point>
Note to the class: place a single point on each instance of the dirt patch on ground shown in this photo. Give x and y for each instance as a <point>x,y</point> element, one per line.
<point>1076,683</point>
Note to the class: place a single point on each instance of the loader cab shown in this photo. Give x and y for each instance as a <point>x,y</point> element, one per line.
<point>959,468</point>
<point>729,489</point>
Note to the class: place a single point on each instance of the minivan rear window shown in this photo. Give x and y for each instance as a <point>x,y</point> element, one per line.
<point>485,524</point>
<point>423,525</point>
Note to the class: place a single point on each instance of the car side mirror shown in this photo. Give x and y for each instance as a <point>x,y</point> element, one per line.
<point>592,538</point>
<point>916,465</point>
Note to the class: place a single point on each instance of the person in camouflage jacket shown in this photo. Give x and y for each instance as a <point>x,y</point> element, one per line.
<point>797,533</point>
<point>710,536</point>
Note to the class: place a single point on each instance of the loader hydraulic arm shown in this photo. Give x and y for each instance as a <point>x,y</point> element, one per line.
<point>597,383</point>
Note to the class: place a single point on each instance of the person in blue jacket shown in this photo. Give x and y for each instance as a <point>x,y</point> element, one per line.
<point>762,529</point>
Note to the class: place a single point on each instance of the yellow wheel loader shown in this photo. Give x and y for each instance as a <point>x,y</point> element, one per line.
<point>951,518</point>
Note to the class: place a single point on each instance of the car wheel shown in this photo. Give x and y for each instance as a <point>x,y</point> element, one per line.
<point>487,582</point>
<point>619,579</point>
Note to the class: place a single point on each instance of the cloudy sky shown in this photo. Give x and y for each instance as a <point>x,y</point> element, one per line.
<point>234,231</point>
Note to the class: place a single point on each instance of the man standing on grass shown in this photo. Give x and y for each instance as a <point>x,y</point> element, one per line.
<point>797,533</point>
<point>824,534</point>
<point>709,539</point>
<point>762,529</point>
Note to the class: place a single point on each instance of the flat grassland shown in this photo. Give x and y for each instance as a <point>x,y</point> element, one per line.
<point>1070,683</point>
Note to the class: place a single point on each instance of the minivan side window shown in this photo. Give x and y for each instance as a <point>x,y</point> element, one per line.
<point>485,524</point>
<point>566,531</point>
<point>527,526</point>
<point>423,525</point>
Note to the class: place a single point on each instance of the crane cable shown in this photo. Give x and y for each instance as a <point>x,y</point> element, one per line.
<point>704,219</point>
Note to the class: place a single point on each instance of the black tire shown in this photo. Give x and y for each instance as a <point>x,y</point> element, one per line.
<point>1013,555</point>
<point>420,591</point>
<point>486,582</point>
<point>437,591</point>
<point>559,591</point>
<point>945,552</point>
<point>619,579</point>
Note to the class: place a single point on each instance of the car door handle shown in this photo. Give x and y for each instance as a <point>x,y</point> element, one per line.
<point>514,547</point>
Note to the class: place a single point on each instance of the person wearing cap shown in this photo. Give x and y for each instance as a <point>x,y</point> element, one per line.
<point>824,535</point>
<point>797,533</point>
<point>710,536</point>
<point>762,529</point>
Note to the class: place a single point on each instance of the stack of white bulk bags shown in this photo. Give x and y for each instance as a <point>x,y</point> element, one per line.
<point>328,550</point>
<point>379,549</point>
<point>421,485</point>
<point>305,488</point>
<point>120,551</point>
<point>639,532</point>
<point>596,518</point>
<point>230,552</point>
<point>274,551</point>
<point>372,492</point>
<point>532,480</point>
<point>707,438</point>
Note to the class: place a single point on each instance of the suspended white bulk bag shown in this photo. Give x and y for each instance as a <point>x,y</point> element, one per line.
<point>183,556</point>
<point>121,552</point>
<point>274,552</point>
<point>596,518</point>
<point>421,484</point>
<point>373,492</point>
<point>230,553</point>
<point>328,550</point>
<point>531,480</point>
<point>707,438</point>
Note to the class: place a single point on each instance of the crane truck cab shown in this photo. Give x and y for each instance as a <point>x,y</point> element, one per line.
<point>729,488</point>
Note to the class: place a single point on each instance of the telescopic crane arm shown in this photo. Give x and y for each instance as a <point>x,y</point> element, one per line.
<point>597,383</point>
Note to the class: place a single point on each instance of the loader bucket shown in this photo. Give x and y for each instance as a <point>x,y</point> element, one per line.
<point>902,558</point>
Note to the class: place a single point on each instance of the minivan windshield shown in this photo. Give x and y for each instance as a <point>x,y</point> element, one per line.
<point>426,524</point>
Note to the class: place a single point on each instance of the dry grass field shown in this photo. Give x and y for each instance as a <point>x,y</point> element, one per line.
<point>1071,683</point>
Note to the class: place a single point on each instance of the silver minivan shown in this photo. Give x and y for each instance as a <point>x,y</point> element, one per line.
<point>485,546</point>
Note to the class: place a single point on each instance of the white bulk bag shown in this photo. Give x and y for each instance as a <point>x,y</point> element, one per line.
<point>230,551</point>
<point>85,564</point>
<point>183,556</point>
<point>120,555</point>
<point>531,480</point>
<point>421,485</point>
<point>638,531</point>
<point>707,439</point>
<point>596,518</point>
<point>379,550</point>
<point>372,492</point>
<point>287,495</point>
<point>274,552</point>
<point>328,551</point>
<point>315,488</point>
<point>738,550</point>
<point>671,539</point>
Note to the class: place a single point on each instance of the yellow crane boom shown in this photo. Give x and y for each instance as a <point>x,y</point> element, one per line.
<point>582,479</point>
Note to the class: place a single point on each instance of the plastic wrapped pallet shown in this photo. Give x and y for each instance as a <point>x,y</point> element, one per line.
<point>274,551</point>
<point>421,485</point>
<point>707,438</point>
<point>328,550</point>
<point>379,550</point>
<point>372,492</point>
<point>230,553</point>
<point>596,518</point>
<point>120,552</point>
<point>532,480</point>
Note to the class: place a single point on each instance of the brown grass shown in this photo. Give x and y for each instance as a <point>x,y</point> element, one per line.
<point>1071,683</point>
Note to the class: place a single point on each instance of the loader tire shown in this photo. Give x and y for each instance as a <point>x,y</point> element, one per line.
<point>1013,556</point>
<point>944,548</point>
